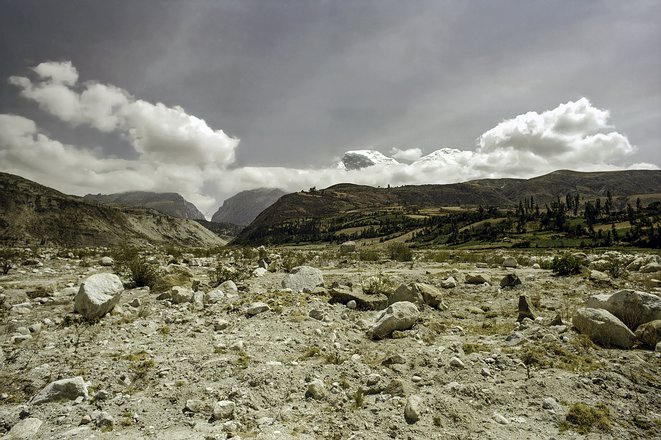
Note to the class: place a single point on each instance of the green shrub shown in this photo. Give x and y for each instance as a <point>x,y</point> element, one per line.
<point>377,284</point>
<point>129,262</point>
<point>7,256</point>
<point>400,252</point>
<point>226,273</point>
<point>566,265</point>
<point>368,255</point>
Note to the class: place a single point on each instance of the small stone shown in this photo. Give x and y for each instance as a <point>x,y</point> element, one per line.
<point>449,283</point>
<point>455,362</point>
<point>352,304</point>
<point>485,372</point>
<point>315,390</point>
<point>413,409</point>
<point>193,406</point>
<point>101,395</point>
<point>499,418</point>
<point>510,281</point>
<point>223,410</point>
<point>106,261</point>
<point>220,324</point>
<point>317,314</point>
<point>256,308</point>
<point>135,302</point>
<point>551,404</point>
<point>85,420</point>
<point>510,262</point>
<point>104,420</point>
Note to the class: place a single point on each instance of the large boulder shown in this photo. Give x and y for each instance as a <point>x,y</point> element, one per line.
<point>63,389</point>
<point>651,267</point>
<point>303,277</point>
<point>419,294</point>
<point>649,333</point>
<point>630,306</point>
<point>344,294</point>
<point>406,293</point>
<point>603,328</point>
<point>97,295</point>
<point>510,262</point>
<point>398,316</point>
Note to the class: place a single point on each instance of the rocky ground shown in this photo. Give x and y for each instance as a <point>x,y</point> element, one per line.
<point>269,362</point>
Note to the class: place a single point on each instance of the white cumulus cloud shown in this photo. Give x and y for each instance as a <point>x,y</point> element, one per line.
<point>408,155</point>
<point>156,131</point>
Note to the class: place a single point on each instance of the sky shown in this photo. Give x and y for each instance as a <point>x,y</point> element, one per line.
<point>208,98</point>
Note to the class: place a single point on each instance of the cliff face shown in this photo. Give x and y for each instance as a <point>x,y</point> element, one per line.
<point>34,214</point>
<point>245,206</point>
<point>171,204</point>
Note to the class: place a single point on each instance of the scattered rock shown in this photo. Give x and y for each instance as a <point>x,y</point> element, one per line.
<point>406,293</point>
<point>256,308</point>
<point>510,262</point>
<point>455,362</point>
<point>348,247</point>
<point>224,410</point>
<point>603,328</point>
<point>431,296</point>
<point>449,283</point>
<point>630,306</point>
<point>315,390</point>
<point>98,295</point>
<point>303,277</point>
<point>413,409</point>
<point>500,419</point>
<point>228,286</point>
<point>180,294</point>
<point>598,276</point>
<point>510,280</point>
<point>525,309</point>
<point>106,261</point>
<point>193,406</point>
<point>651,267</point>
<point>220,324</point>
<point>26,429</point>
<point>649,333</point>
<point>63,389</point>
<point>317,314</point>
<point>475,279</point>
<point>352,304</point>
<point>259,272</point>
<point>398,316</point>
<point>551,404</point>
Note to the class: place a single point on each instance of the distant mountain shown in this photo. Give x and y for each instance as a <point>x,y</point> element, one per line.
<point>32,214</point>
<point>242,208</point>
<point>347,208</point>
<point>172,204</point>
<point>357,159</point>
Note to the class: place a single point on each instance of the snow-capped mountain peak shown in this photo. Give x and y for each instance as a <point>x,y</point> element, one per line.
<point>357,159</point>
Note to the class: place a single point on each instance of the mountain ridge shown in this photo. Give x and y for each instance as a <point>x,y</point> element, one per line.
<point>34,214</point>
<point>169,203</point>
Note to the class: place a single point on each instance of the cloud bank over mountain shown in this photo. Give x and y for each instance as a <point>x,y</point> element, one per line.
<point>177,151</point>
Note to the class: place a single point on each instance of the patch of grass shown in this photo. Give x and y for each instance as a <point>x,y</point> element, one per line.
<point>358,399</point>
<point>310,352</point>
<point>474,348</point>
<point>488,328</point>
<point>576,357</point>
<point>582,418</point>
<point>242,360</point>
